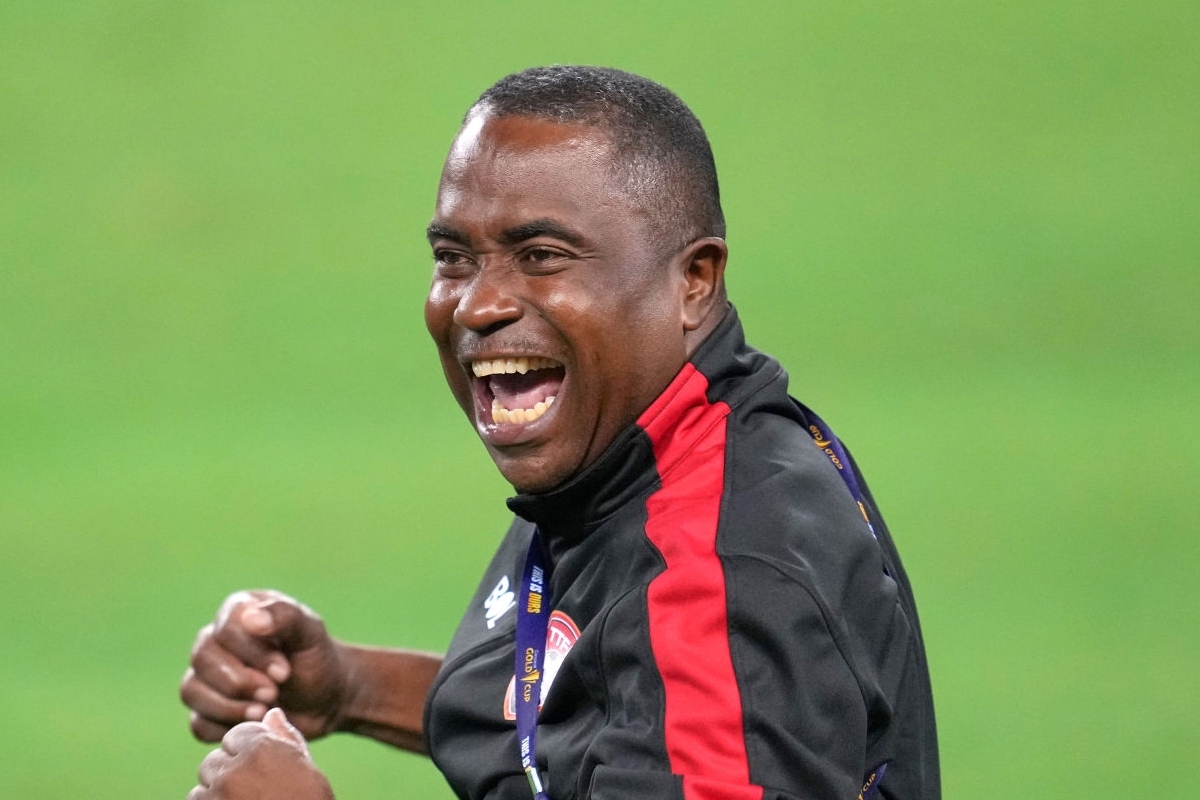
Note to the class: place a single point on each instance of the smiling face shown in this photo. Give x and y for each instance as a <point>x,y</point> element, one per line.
<point>557,317</point>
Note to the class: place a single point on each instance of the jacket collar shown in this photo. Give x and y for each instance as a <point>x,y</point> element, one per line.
<point>627,469</point>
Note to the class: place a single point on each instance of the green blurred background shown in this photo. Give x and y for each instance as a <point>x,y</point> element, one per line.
<point>969,229</point>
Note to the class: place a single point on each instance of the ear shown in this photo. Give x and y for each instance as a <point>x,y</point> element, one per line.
<point>703,266</point>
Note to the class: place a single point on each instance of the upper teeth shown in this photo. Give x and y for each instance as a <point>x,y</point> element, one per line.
<point>503,366</point>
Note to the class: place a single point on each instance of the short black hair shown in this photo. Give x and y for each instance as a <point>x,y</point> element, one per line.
<point>661,151</point>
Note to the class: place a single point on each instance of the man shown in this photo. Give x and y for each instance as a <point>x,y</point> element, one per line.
<point>697,586</point>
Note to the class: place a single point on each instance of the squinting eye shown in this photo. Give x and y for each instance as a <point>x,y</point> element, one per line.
<point>451,263</point>
<point>545,259</point>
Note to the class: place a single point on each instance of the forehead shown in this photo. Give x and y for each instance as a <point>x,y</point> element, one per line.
<point>511,165</point>
<point>491,142</point>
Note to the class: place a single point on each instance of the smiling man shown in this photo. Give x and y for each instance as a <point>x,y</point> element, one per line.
<point>560,309</point>
<point>697,598</point>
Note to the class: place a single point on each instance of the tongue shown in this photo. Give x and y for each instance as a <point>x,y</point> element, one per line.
<point>514,390</point>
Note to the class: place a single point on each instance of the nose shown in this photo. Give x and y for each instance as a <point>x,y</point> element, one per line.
<point>488,302</point>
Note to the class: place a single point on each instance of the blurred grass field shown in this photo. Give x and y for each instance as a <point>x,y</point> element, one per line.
<point>969,230</point>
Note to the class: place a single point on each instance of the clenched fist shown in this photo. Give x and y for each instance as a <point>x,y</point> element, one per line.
<point>265,649</point>
<point>266,760</point>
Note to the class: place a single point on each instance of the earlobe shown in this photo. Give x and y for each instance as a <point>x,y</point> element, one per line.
<point>703,280</point>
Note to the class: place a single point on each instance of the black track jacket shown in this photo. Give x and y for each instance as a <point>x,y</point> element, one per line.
<point>725,625</point>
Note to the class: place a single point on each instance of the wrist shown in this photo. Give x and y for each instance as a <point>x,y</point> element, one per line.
<point>353,687</point>
<point>384,693</point>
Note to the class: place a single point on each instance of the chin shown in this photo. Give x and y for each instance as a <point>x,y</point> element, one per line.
<point>530,478</point>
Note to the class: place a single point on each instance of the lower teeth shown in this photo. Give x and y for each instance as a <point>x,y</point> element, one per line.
<point>503,416</point>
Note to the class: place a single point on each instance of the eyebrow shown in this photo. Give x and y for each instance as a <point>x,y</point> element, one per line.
<point>509,236</point>
<point>436,230</point>
<point>540,227</point>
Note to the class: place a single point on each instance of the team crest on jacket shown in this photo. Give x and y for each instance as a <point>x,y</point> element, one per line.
<point>561,635</point>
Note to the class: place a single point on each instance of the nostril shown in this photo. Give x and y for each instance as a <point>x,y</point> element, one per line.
<point>486,320</point>
<point>487,330</point>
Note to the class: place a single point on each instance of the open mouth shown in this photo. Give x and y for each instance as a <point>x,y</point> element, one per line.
<point>517,390</point>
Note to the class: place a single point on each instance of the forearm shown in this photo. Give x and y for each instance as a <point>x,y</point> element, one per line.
<point>386,694</point>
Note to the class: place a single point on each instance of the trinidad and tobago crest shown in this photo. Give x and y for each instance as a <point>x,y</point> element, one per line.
<point>561,636</point>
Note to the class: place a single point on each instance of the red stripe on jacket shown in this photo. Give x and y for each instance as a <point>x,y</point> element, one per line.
<point>689,630</point>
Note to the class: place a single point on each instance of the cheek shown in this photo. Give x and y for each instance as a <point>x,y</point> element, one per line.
<point>583,319</point>
<point>439,321</point>
<point>439,311</point>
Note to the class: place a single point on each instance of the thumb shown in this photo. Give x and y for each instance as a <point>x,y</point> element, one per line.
<point>277,723</point>
<point>257,619</point>
<point>290,622</point>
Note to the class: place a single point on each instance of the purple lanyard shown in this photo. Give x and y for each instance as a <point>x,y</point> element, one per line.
<point>532,616</point>
<point>823,437</point>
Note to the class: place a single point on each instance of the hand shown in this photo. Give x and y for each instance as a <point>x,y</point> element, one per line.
<point>264,649</point>
<point>265,760</point>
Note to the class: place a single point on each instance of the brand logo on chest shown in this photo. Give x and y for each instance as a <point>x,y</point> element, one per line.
<point>498,603</point>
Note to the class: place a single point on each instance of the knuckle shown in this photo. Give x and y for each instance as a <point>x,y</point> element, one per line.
<point>206,730</point>
<point>231,604</point>
<point>240,682</point>
<point>203,637</point>
<point>197,727</point>
<point>185,685</point>
<point>195,696</point>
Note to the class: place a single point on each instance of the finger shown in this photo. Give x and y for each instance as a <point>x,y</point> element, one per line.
<point>212,766</point>
<point>263,627</point>
<point>277,722</point>
<point>235,602</point>
<point>255,645</point>
<point>228,674</point>
<point>206,730</point>
<point>292,625</point>
<point>228,703</point>
<point>213,707</point>
<point>230,639</point>
<point>257,620</point>
<point>244,736</point>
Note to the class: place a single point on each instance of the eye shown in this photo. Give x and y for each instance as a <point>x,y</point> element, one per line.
<point>543,260</point>
<point>452,263</point>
